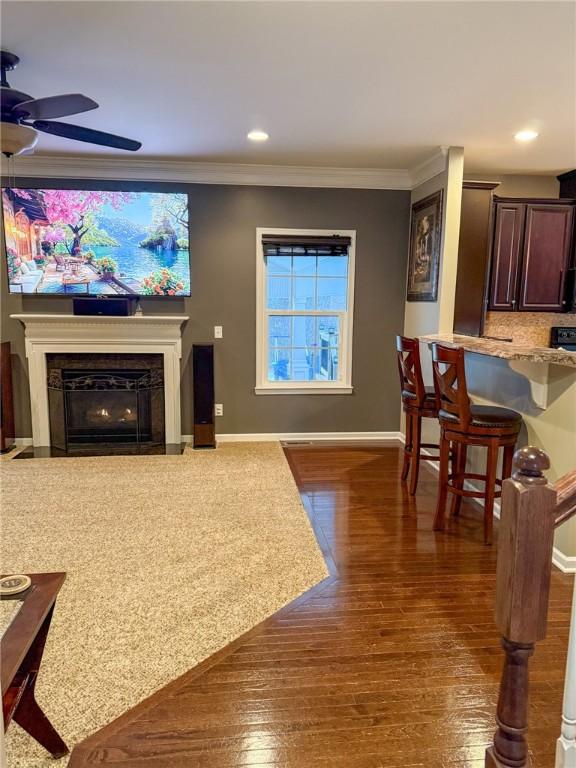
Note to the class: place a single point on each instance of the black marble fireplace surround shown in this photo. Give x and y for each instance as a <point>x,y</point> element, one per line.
<point>105,403</point>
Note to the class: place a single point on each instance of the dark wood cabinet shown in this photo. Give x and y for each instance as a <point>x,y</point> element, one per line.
<point>531,254</point>
<point>546,257</point>
<point>567,184</point>
<point>506,249</point>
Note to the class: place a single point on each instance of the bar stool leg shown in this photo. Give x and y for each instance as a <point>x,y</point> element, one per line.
<point>415,460</point>
<point>491,467</point>
<point>407,446</point>
<point>460,468</point>
<point>456,451</point>
<point>507,461</point>
<point>439,522</point>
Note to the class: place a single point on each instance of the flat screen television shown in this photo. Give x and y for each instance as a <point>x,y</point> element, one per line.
<point>96,242</point>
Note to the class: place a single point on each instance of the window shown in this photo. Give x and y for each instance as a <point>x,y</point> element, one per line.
<point>305,296</point>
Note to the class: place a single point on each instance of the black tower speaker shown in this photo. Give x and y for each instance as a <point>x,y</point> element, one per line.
<point>203,390</point>
<point>6,399</point>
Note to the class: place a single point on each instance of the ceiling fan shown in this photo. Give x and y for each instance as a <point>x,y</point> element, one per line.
<point>23,116</point>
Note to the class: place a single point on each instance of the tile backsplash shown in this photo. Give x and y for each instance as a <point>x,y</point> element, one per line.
<point>530,328</point>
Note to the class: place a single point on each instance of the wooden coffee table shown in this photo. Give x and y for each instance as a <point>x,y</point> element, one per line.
<point>21,650</point>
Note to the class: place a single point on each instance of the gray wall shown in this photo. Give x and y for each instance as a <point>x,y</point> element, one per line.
<point>223,220</point>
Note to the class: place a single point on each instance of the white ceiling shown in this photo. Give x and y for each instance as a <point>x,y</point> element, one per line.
<point>341,84</point>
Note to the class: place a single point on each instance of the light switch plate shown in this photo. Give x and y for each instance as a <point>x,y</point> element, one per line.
<point>217,331</point>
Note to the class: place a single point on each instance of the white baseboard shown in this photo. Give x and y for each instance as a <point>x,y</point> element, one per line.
<point>257,437</point>
<point>564,563</point>
<point>252,437</point>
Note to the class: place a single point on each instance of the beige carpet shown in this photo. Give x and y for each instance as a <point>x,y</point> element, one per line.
<point>169,558</point>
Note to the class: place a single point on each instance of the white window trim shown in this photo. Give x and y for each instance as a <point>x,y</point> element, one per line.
<point>344,384</point>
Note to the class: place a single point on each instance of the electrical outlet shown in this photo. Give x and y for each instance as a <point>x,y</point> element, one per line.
<point>218,409</point>
<point>217,331</point>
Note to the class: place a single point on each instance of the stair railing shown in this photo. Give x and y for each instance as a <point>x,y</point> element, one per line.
<point>531,510</point>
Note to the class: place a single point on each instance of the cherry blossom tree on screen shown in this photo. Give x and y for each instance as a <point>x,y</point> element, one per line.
<point>72,208</point>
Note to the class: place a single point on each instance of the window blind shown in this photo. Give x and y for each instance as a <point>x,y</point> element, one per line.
<point>303,245</point>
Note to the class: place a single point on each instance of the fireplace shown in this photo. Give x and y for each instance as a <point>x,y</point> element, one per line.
<point>105,403</point>
<point>53,339</point>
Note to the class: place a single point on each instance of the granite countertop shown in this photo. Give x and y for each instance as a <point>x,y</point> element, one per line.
<point>504,349</point>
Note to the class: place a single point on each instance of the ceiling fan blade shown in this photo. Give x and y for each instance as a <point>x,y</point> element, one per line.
<point>79,133</point>
<point>55,106</point>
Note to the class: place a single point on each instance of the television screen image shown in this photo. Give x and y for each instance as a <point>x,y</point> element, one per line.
<point>61,241</point>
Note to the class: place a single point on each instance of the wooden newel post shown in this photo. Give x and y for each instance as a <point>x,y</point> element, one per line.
<point>525,543</point>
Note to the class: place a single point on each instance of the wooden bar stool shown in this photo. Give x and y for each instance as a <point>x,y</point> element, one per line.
<point>418,402</point>
<point>463,424</point>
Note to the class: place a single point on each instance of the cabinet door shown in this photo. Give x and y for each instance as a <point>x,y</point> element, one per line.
<point>506,249</point>
<point>546,255</point>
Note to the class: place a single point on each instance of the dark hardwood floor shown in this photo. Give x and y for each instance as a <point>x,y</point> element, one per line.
<point>391,662</point>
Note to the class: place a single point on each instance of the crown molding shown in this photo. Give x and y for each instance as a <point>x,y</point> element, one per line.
<point>429,168</point>
<point>145,169</point>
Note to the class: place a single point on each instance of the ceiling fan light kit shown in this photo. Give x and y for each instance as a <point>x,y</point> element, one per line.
<point>17,136</point>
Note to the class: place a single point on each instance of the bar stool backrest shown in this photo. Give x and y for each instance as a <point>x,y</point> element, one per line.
<point>410,370</point>
<point>450,383</point>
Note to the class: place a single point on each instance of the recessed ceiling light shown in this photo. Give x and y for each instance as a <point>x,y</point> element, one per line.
<point>258,136</point>
<point>527,135</point>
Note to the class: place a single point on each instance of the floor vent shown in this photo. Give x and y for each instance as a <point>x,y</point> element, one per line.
<point>297,442</point>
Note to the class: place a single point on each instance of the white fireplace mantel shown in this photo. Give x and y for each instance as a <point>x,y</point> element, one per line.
<point>145,334</point>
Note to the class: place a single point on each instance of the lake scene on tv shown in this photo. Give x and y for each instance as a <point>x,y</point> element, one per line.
<point>81,242</point>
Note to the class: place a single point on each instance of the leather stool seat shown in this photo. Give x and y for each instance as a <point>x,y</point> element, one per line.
<point>486,416</point>
<point>429,398</point>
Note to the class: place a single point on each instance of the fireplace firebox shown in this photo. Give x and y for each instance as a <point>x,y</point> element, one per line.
<point>104,403</point>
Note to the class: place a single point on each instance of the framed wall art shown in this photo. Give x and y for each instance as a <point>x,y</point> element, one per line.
<point>424,256</point>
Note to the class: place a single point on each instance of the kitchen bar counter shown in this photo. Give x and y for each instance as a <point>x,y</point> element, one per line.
<point>537,382</point>
<point>507,350</point>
